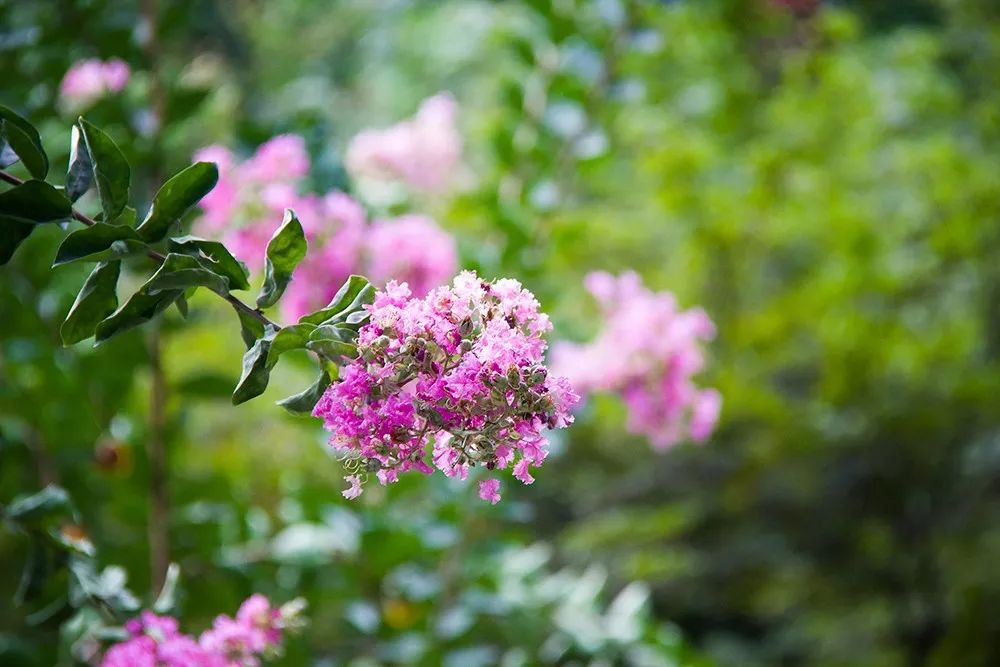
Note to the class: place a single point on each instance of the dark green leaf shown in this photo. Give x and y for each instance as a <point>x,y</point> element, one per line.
<point>251,328</point>
<point>224,262</point>
<point>36,571</point>
<point>139,309</point>
<point>111,170</point>
<point>304,402</point>
<point>24,140</point>
<point>353,294</point>
<point>97,299</point>
<point>178,196</point>
<point>80,175</point>
<point>34,202</point>
<point>255,376</point>
<point>284,251</point>
<point>292,337</point>
<point>333,342</point>
<point>33,508</point>
<point>182,305</point>
<point>12,234</point>
<point>99,243</point>
<point>7,154</point>
<point>184,271</point>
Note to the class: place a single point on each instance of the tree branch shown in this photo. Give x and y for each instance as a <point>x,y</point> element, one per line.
<point>159,259</point>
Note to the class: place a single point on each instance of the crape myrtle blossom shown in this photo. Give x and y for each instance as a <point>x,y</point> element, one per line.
<point>91,79</point>
<point>249,200</point>
<point>647,352</point>
<point>422,152</point>
<point>155,641</point>
<point>449,381</point>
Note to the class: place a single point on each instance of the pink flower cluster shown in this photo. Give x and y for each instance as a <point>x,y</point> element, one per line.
<point>648,352</point>
<point>421,152</point>
<point>247,205</point>
<point>459,372</point>
<point>89,80</point>
<point>155,641</point>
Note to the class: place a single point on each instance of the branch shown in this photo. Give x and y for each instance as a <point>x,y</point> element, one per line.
<point>159,259</point>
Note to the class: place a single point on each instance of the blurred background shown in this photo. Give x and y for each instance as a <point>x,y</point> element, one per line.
<point>823,178</point>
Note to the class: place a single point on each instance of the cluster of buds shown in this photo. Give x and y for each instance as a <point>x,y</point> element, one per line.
<point>452,381</point>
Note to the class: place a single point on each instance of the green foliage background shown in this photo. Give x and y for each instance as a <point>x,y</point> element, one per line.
<point>825,183</point>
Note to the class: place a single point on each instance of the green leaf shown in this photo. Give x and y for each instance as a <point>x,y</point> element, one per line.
<point>351,296</point>
<point>224,262</point>
<point>166,601</point>
<point>12,235</point>
<point>35,573</point>
<point>333,342</point>
<point>34,202</point>
<point>97,299</point>
<point>99,243</point>
<point>250,328</point>
<point>139,309</point>
<point>178,196</point>
<point>293,337</point>
<point>24,140</point>
<point>111,170</point>
<point>184,271</point>
<point>256,373</point>
<point>7,154</point>
<point>33,508</point>
<point>80,175</point>
<point>284,251</point>
<point>304,402</point>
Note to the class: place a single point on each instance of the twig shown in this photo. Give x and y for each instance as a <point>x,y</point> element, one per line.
<point>156,453</point>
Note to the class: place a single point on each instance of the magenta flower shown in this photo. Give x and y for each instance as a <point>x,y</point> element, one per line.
<point>489,490</point>
<point>456,376</point>
<point>648,352</point>
<point>155,641</point>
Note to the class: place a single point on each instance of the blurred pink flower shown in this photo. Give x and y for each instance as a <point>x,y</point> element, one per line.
<point>89,80</point>
<point>647,352</point>
<point>411,249</point>
<point>422,152</point>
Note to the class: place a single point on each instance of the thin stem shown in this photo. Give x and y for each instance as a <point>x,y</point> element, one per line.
<point>156,453</point>
<point>159,258</point>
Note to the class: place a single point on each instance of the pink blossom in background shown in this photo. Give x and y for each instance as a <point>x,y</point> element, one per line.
<point>89,80</point>
<point>248,203</point>
<point>648,352</point>
<point>459,371</point>
<point>155,641</point>
<point>422,152</point>
<point>410,249</point>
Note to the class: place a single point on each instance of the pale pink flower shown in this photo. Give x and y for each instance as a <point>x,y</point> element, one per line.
<point>489,490</point>
<point>411,249</point>
<point>422,152</point>
<point>648,351</point>
<point>89,80</point>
